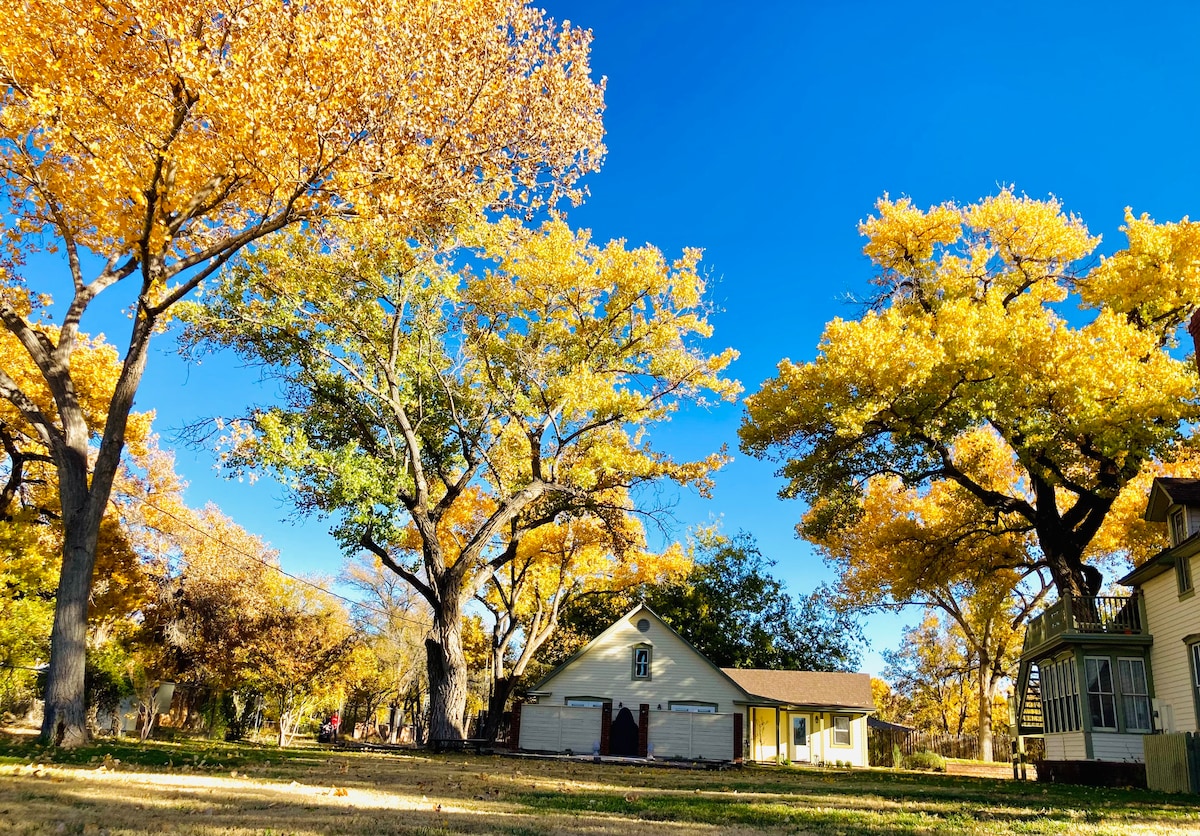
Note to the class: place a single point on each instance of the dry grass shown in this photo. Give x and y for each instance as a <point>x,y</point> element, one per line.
<point>210,790</point>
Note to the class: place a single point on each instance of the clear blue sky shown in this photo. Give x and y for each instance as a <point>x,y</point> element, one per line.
<point>763,133</point>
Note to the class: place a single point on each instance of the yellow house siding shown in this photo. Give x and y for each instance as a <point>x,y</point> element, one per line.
<point>1169,620</point>
<point>677,672</point>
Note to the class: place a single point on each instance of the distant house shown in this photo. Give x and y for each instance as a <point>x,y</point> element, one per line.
<point>640,689</point>
<point>1100,673</point>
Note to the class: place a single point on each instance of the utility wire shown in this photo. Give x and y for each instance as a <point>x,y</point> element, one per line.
<point>277,568</point>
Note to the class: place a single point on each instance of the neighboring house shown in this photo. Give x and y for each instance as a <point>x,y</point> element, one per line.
<point>1100,673</point>
<point>1166,583</point>
<point>639,688</point>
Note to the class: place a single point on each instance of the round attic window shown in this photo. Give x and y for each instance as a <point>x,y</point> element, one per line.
<point>643,625</point>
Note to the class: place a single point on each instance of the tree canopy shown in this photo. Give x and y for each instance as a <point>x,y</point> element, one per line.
<point>733,610</point>
<point>151,142</point>
<point>442,415</point>
<point>967,341</point>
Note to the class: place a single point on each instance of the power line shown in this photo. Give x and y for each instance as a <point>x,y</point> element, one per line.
<point>275,567</point>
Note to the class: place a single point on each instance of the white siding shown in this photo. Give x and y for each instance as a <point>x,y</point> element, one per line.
<point>677,672</point>
<point>1069,746</point>
<point>675,734</point>
<point>1117,747</point>
<point>558,728</point>
<point>1169,620</point>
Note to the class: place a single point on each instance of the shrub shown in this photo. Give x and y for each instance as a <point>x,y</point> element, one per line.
<point>931,761</point>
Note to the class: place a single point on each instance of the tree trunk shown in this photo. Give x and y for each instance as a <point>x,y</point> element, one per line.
<point>985,709</point>
<point>65,720</point>
<point>447,666</point>
<point>502,688</point>
<point>83,503</point>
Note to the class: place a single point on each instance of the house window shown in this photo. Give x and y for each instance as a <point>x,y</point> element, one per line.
<point>585,702</point>
<point>641,662</point>
<point>1183,574</point>
<point>1101,699</point>
<point>694,707</point>
<point>841,730</point>
<point>1048,676</point>
<point>1194,649</point>
<point>1178,527</point>
<point>1060,695</point>
<point>1134,694</point>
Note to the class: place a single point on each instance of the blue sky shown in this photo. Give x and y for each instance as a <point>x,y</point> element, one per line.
<point>763,134</point>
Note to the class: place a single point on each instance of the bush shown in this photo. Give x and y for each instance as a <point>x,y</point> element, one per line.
<point>930,761</point>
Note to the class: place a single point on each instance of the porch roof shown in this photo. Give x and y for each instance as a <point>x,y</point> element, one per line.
<point>813,688</point>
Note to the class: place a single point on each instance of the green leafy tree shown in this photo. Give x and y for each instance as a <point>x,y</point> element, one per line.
<point>442,416</point>
<point>731,609</point>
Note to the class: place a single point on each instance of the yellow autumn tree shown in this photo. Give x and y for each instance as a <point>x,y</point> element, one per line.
<point>444,414</point>
<point>968,332</point>
<point>149,142</point>
<point>554,565</point>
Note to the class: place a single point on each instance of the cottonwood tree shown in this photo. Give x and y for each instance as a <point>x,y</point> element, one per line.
<point>151,142</point>
<point>553,566</point>
<point>967,332</point>
<point>941,549</point>
<point>732,609</point>
<point>413,382</point>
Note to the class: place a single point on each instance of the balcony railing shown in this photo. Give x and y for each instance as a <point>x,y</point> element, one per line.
<point>1111,614</point>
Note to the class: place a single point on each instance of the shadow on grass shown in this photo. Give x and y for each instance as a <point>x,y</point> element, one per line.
<point>204,787</point>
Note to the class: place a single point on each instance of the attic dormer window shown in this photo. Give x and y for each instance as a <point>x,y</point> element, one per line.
<point>641,661</point>
<point>1178,527</point>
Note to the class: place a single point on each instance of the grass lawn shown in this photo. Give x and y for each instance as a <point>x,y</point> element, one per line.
<point>202,788</point>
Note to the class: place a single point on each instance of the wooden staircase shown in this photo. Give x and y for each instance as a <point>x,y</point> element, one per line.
<point>1029,700</point>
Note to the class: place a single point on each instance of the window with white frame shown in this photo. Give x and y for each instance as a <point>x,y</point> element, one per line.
<point>1102,701</point>
<point>841,730</point>
<point>641,661</point>
<point>694,707</point>
<point>1135,696</point>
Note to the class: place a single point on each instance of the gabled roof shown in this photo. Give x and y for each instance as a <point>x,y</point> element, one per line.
<point>1168,491</point>
<point>818,688</point>
<point>615,625</point>
<point>1163,561</point>
<point>812,688</point>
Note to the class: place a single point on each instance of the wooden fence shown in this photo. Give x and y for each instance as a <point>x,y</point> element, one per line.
<point>882,743</point>
<point>1173,762</point>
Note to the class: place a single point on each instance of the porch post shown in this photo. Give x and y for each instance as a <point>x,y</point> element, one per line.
<point>778,737</point>
<point>737,737</point>
<point>606,728</point>
<point>643,730</point>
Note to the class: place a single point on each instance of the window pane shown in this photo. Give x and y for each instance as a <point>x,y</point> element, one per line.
<point>841,731</point>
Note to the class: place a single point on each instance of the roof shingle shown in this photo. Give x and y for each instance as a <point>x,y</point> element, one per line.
<point>836,690</point>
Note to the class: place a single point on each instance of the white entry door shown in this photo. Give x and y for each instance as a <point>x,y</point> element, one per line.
<point>800,738</point>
